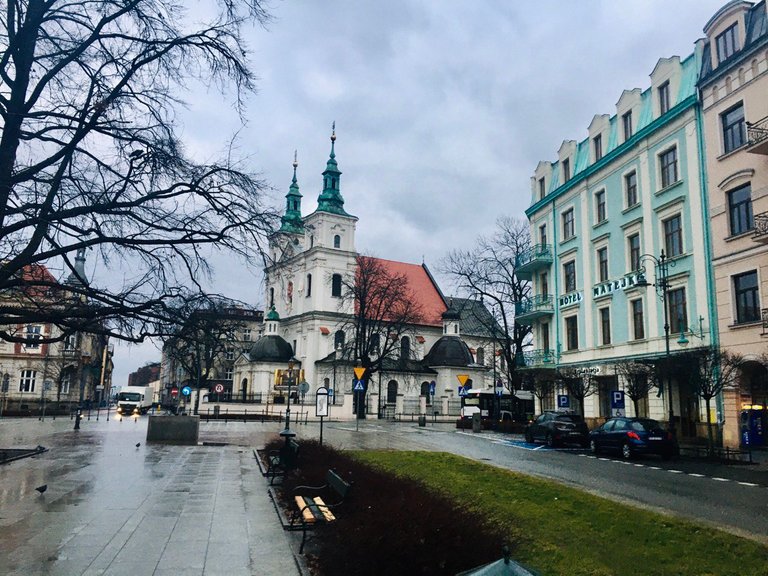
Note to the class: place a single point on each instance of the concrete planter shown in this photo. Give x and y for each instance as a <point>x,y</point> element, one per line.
<point>183,430</point>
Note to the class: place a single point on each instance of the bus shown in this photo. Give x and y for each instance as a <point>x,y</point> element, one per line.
<point>492,407</point>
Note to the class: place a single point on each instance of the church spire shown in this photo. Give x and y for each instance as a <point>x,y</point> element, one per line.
<point>291,220</point>
<point>77,276</point>
<point>330,199</point>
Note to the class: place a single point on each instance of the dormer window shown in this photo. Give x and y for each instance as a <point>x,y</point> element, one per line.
<point>542,188</point>
<point>663,92</point>
<point>727,43</point>
<point>626,122</point>
<point>566,170</point>
<point>597,144</point>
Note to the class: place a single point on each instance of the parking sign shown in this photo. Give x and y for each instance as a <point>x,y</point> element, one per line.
<point>617,403</point>
<point>563,401</point>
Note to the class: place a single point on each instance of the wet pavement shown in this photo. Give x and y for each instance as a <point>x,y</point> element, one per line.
<point>114,508</point>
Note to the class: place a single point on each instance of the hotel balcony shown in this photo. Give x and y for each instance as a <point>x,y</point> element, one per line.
<point>535,307</point>
<point>761,228</point>
<point>538,359</point>
<point>757,136</point>
<point>535,258</point>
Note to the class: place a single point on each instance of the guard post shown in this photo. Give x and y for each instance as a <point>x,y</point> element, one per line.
<point>321,407</point>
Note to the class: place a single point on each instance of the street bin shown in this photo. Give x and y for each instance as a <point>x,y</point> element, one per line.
<point>477,424</point>
<point>422,421</point>
<point>216,411</point>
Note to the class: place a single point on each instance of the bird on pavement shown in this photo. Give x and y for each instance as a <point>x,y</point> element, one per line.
<point>42,488</point>
<point>138,444</point>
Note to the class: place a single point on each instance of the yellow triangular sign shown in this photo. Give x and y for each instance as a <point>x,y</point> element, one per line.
<point>462,378</point>
<point>359,373</point>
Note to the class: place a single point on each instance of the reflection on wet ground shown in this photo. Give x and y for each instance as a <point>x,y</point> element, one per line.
<point>113,507</point>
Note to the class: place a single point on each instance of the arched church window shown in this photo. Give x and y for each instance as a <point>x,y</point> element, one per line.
<point>336,285</point>
<point>480,356</point>
<point>405,348</point>
<point>337,241</point>
<point>271,297</point>
<point>392,392</point>
<point>374,344</point>
<point>309,285</point>
<point>338,339</point>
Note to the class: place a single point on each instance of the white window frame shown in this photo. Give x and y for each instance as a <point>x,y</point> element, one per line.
<point>27,380</point>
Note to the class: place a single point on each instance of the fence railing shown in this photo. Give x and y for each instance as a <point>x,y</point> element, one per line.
<point>757,131</point>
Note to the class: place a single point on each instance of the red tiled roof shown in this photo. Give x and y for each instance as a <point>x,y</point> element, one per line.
<point>423,287</point>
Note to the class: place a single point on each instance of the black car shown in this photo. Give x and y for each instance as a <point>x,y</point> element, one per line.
<point>631,436</point>
<point>556,428</point>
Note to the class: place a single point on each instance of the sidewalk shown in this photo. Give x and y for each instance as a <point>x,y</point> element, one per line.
<point>113,508</point>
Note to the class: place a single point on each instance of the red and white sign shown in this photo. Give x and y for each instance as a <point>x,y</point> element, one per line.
<point>174,392</point>
<point>219,388</point>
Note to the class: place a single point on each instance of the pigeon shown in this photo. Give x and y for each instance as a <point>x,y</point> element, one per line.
<point>42,488</point>
<point>138,444</point>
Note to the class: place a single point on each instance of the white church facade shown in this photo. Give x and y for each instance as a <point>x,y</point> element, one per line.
<point>306,317</point>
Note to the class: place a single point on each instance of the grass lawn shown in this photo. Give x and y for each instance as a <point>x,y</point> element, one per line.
<point>561,530</point>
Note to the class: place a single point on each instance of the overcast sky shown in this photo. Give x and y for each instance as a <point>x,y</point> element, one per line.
<point>443,108</point>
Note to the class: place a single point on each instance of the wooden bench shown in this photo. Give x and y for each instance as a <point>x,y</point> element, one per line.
<point>315,505</point>
<point>281,461</point>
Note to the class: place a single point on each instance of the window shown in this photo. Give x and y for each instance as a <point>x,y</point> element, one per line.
<point>373,344</point>
<point>70,342</point>
<point>544,284</point>
<point>747,298</point>
<point>668,167</point>
<point>630,189</point>
<point>597,144</point>
<point>405,348</point>
<point>336,285</point>
<point>229,373</point>
<point>638,322</point>
<point>480,355</point>
<point>544,331</point>
<point>309,285</point>
<point>568,225</point>
<point>64,386</point>
<point>289,292</point>
<point>734,129</point>
<point>27,381</point>
<point>673,236</point>
<point>626,122</point>
<point>602,264</point>
<point>566,170</point>
<point>572,333</point>
<point>229,354</point>
<point>34,333</point>
<point>663,92</point>
<point>569,276</point>
<point>542,188</point>
<point>678,316</point>
<point>338,339</point>
<point>247,335</point>
<point>543,234</point>
<point>337,241</point>
<point>740,210</point>
<point>727,43</point>
<point>605,325</point>
<point>633,244</point>
<point>600,206</point>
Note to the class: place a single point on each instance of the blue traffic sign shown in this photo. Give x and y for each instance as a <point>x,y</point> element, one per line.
<point>358,387</point>
<point>186,390</point>
<point>462,391</point>
<point>432,388</point>
<point>563,401</point>
<point>617,399</point>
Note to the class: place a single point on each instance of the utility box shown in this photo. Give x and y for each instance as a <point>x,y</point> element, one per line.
<point>422,421</point>
<point>477,423</point>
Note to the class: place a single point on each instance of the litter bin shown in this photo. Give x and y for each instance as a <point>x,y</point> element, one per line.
<point>477,425</point>
<point>422,421</point>
<point>216,411</point>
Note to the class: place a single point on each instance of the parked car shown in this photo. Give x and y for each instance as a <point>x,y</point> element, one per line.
<point>556,428</point>
<point>631,436</point>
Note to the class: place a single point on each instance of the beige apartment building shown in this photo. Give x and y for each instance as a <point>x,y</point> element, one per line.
<point>733,86</point>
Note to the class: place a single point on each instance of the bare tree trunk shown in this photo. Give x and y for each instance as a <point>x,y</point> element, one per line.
<point>710,438</point>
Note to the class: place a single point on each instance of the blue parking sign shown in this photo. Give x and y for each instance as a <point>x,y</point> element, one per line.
<point>617,399</point>
<point>563,401</point>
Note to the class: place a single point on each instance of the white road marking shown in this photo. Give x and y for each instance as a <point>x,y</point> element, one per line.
<point>654,467</point>
<point>675,471</point>
<point>696,475</point>
<point>720,479</point>
<point>640,465</point>
<point>748,484</point>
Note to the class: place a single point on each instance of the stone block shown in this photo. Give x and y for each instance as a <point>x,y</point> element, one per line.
<point>183,430</point>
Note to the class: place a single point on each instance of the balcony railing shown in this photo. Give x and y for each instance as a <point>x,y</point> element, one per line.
<point>528,261</point>
<point>765,321</point>
<point>534,307</point>
<point>761,227</point>
<point>538,358</point>
<point>757,136</point>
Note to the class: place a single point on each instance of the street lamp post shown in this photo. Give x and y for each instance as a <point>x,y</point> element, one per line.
<point>335,361</point>
<point>661,285</point>
<point>287,433</point>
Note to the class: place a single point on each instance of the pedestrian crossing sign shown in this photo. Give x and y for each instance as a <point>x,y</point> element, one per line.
<point>358,387</point>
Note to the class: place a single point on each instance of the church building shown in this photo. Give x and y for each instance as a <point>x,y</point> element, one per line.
<point>307,320</point>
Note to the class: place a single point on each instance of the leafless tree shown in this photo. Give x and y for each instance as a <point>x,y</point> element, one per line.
<point>385,310</point>
<point>91,159</point>
<point>487,271</point>
<point>579,386</point>
<point>540,381</point>
<point>198,346</point>
<point>639,380</point>
<point>712,370</point>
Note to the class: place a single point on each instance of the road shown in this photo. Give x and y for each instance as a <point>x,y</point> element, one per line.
<point>730,497</point>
